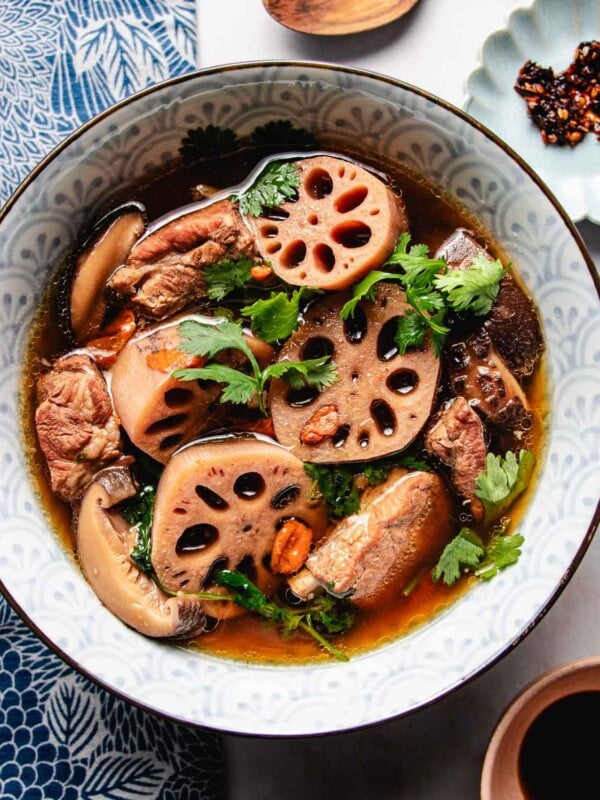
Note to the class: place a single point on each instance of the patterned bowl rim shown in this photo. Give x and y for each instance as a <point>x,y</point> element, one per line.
<point>495,139</point>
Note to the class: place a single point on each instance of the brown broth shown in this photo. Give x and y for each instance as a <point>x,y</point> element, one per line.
<point>432,219</point>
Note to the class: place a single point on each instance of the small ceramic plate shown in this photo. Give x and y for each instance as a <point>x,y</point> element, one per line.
<point>547,32</point>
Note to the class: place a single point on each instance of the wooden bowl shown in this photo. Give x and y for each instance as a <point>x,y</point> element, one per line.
<point>336,17</point>
<point>552,713</point>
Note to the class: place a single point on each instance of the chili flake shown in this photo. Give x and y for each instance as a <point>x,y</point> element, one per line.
<point>565,106</point>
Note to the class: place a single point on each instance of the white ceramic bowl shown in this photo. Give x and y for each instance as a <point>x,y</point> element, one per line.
<point>132,140</point>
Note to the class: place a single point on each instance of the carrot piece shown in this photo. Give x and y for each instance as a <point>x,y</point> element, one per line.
<point>105,347</point>
<point>168,360</point>
<point>260,272</point>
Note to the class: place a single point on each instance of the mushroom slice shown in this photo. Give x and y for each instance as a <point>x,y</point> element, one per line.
<point>219,504</point>
<point>479,374</point>
<point>106,250</point>
<point>104,542</point>
<point>400,527</point>
<point>345,222</point>
<point>382,399</point>
<point>513,323</point>
<point>158,412</point>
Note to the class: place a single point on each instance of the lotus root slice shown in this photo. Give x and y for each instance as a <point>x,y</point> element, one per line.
<point>219,505</point>
<point>158,412</point>
<point>382,399</point>
<point>345,222</point>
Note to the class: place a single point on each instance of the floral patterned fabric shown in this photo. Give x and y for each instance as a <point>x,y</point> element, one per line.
<point>63,61</point>
<point>61,736</point>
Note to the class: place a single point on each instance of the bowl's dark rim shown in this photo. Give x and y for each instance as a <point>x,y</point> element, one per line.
<point>575,561</point>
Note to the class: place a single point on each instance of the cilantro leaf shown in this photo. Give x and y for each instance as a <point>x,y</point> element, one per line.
<point>503,481</point>
<point>209,339</point>
<point>226,276</point>
<point>376,472</point>
<point>322,614</point>
<point>245,593</point>
<point>239,387</point>
<point>277,317</point>
<point>332,615</point>
<point>273,187</point>
<point>467,553</point>
<point>429,306</point>
<point>473,288</point>
<point>138,511</point>
<point>431,289</point>
<point>365,290</point>
<point>465,550</point>
<point>336,485</point>
<point>410,331</point>
<point>419,269</point>
<point>317,372</point>
<point>500,552</point>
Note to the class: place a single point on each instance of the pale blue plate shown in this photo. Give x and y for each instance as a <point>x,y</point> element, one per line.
<point>546,32</point>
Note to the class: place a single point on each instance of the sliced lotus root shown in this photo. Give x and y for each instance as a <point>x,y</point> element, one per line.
<point>344,223</point>
<point>382,399</point>
<point>219,505</point>
<point>158,412</point>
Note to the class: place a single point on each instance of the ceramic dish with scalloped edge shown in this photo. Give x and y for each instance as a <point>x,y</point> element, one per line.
<point>546,32</point>
<point>137,138</point>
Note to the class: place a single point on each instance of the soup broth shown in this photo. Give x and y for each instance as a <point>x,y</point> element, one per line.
<point>398,607</point>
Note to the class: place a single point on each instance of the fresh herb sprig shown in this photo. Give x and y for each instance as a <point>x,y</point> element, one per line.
<point>468,553</point>
<point>431,290</point>
<point>277,317</point>
<point>210,339</point>
<point>226,276</point>
<point>376,472</point>
<point>337,487</point>
<point>234,276</point>
<point>138,511</point>
<point>320,617</point>
<point>503,480</point>
<point>498,486</point>
<point>428,306</point>
<point>276,184</point>
<point>473,288</point>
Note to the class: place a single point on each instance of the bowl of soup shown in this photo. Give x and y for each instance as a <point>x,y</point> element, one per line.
<point>297,399</point>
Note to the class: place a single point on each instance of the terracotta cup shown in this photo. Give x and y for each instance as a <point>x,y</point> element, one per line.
<point>506,773</point>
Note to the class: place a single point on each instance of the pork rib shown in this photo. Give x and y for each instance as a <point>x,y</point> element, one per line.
<point>76,425</point>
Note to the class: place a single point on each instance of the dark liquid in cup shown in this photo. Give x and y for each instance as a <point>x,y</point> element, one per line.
<point>559,755</point>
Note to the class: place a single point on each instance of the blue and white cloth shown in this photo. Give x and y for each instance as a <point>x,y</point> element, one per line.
<point>62,736</point>
<point>63,61</point>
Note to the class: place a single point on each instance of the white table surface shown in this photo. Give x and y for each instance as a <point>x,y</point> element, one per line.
<point>436,753</point>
